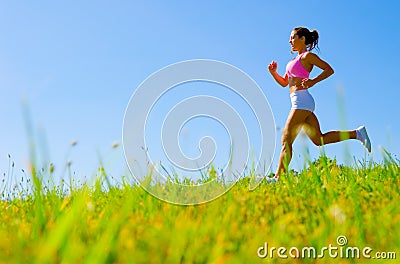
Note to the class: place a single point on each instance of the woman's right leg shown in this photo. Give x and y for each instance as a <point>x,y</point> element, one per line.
<point>313,130</point>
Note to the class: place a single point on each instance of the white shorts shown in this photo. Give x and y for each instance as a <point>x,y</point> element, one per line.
<point>302,99</point>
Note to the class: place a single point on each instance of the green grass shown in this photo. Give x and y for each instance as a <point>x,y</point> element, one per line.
<point>124,224</point>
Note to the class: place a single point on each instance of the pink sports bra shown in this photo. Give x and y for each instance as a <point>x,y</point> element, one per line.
<point>294,68</point>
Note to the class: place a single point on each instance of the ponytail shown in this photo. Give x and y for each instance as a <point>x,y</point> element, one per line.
<point>314,40</point>
<point>311,37</point>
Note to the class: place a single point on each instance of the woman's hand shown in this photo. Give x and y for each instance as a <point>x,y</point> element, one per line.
<point>283,81</point>
<point>272,67</point>
<point>307,83</point>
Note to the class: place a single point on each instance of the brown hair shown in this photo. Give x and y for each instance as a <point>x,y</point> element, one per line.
<point>311,37</point>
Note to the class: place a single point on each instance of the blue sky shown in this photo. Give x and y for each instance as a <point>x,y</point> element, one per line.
<point>77,63</point>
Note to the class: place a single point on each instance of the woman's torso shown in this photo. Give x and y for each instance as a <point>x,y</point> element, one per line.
<point>295,84</point>
<point>297,69</point>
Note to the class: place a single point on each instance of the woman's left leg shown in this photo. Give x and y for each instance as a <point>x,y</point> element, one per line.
<point>294,122</point>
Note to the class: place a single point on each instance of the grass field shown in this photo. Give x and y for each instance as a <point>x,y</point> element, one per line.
<point>86,224</point>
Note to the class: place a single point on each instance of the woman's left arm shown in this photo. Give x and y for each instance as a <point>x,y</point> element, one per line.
<point>327,70</point>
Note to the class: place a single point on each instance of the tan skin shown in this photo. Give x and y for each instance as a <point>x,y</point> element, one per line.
<point>298,118</point>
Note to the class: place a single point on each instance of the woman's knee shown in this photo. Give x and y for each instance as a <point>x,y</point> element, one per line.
<point>318,141</point>
<point>286,141</point>
<point>285,138</point>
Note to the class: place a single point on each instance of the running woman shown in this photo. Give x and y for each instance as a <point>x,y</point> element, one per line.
<point>302,114</point>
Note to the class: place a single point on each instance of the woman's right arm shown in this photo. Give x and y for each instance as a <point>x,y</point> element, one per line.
<point>283,81</point>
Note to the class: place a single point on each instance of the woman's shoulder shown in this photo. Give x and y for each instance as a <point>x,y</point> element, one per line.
<point>309,55</point>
